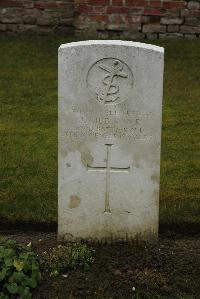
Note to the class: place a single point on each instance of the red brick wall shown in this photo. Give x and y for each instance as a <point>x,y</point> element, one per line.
<point>127,19</point>
<point>35,16</point>
<point>138,18</point>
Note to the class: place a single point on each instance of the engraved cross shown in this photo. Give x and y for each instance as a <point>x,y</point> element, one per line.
<point>108,169</point>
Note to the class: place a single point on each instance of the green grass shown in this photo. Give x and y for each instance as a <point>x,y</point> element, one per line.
<point>180,166</point>
<point>28,130</point>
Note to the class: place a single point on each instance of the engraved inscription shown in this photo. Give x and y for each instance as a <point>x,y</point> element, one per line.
<point>108,169</point>
<point>107,124</point>
<point>110,81</point>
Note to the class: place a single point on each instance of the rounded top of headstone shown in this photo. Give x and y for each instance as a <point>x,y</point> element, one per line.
<point>113,43</point>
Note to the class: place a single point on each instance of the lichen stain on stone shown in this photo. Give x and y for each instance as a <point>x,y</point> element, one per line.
<point>74,201</point>
<point>86,157</point>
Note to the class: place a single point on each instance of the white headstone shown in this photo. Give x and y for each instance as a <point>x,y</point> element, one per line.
<point>110,111</point>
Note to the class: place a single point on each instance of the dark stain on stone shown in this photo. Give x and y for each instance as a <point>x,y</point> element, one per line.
<point>86,157</point>
<point>74,201</point>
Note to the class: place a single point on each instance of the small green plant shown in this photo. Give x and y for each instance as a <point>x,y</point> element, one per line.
<point>19,270</point>
<point>64,258</point>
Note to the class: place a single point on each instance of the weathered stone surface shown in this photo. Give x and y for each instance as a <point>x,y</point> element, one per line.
<point>64,30</point>
<point>101,35</point>
<point>154,28</point>
<point>110,102</point>
<point>30,29</point>
<point>3,27</point>
<point>194,5</point>
<point>14,27</point>
<point>171,21</point>
<point>190,36</point>
<point>45,29</point>
<point>116,27</point>
<point>134,28</point>
<point>152,36</point>
<point>46,21</point>
<point>192,21</point>
<point>28,4</point>
<point>11,19</point>
<point>28,19</point>
<point>170,35</point>
<point>173,28</point>
<point>190,13</point>
<point>190,29</point>
<point>65,22</point>
<point>135,35</point>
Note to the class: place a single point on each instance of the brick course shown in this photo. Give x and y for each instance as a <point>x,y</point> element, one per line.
<point>34,16</point>
<point>135,19</point>
<point>128,19</point>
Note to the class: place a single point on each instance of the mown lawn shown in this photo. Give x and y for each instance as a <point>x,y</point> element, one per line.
<point>28,130</point>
